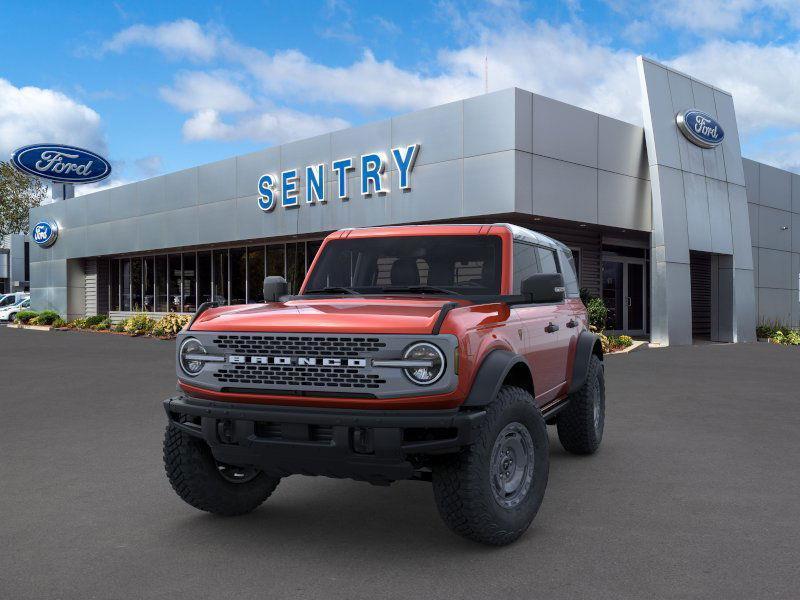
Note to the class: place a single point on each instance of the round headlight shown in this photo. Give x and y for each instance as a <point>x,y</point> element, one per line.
<point>191,348</point>
<point>425,353</point>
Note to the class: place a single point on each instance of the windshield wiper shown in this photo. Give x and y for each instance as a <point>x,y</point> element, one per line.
<point>419,289</point>
<point>333,290</point>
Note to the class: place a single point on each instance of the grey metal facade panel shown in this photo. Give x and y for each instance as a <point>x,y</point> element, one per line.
<point>795,229</point>
<point>752,210</point>
<point>299,154</point>
<point>216,181</point>
<point>215,223</point>
<point>523,187</point>
<point>353,142</point>
<point>564,132</point>
<point>152,195</point>
<point>770,228</point>
<point>98,239</point>
<point>740,227</point>
<point>181,189</point>
<point>672,232</point>
<point>97,208</point>
<point>439,131</point>
<point>623,201</point>
<point>74,243</point>
<point>124,236</point>
<point>489,123</point>
<point>796,193</point>
<point>719,212</point>
<point>524,121</point>
<point>660,131</point>
<point>182,226</point>
<point>489,183</point>
<point>794,274</point>
<point>152,231</point>
<point>775,187</point>
<point>713,159</point>
<point>621,148</point>
<point>731,149</point>
<point>751,179</point>
<point>683,98</point>
<point>775,305</point>
<point>250,167</point>
<point>123,202</point>
<point>75,213</point>
<point>795,310</point>
<point>564,190</point>
<point>774,268</point>
<point>679,314</point>
<point>697,215</point>
<point>755,266</point>
<point>436,194</point>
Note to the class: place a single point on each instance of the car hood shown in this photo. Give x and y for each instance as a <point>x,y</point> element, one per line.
<point>384,314</point>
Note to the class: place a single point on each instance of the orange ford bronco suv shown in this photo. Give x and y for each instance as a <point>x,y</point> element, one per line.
<point>432,352</point>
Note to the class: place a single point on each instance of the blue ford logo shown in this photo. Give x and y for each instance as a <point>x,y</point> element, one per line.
<point>65,164</point>
<point>45,233</point>
<point>700,128</point>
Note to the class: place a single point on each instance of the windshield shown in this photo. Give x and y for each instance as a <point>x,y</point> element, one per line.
<point>463,264</point>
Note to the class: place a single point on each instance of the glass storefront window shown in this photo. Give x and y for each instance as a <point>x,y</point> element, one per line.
<point>203,277</point>
<point>136,284</point>
<point>189,281</point>
<point>113,292</point>
<point>220,280</point>
<point>126,284</point>
<point>161,283</point>
<point>255,274</point>
<point>147,284</point>
<point>238,275</point>
<point>295,265</point>
<point>276,260</point>
<point>174,283</point>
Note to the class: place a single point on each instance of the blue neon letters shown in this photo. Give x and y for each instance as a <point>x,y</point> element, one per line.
<point>374,179</point>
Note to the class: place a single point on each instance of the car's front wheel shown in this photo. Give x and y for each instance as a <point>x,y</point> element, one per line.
<point>209,485</point>
<point>580,425</point>
<point>491,491</point>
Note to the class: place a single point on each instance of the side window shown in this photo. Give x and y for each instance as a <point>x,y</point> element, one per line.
<point>547,260</point>
<point>526,263</point>
<point>570,274</point>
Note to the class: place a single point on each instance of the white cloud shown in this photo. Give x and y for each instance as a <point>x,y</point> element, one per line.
<point>198,90</point>
<point>764,80</point>
<point>150,166</point>
<point>181,38</point>
<point>278,125</point>
<point>30,114</point>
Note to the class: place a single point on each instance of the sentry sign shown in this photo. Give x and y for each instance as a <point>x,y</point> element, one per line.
<point>284,189</point>
<point>64,164</point>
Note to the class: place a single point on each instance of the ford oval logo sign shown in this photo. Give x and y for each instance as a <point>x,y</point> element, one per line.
<point>44,233</point>
<point>65,164</point>
<point>700,128</point>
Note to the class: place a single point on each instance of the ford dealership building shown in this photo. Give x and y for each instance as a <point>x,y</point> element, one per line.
<point>678,234</point>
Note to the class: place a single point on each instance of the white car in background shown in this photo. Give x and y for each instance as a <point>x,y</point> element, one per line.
<point>7,300</point>
<point>7,313</point>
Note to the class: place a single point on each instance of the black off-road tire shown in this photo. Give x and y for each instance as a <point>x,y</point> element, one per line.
<point>195,477</point>
<point>580,428</point>
<point>462,483</point>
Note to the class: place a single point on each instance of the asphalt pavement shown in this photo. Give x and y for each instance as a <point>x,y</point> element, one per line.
<point>695,493</point>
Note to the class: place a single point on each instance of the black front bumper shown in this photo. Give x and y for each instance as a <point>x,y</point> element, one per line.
<point>372,445</point>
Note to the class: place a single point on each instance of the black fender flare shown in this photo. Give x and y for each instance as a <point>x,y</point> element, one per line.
<point>588,344</point>
<point>490,377</point>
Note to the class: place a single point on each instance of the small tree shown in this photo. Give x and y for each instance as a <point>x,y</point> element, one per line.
<point>18,194</point>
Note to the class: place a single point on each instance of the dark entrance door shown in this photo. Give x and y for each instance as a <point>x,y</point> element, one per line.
<point>624,293</point>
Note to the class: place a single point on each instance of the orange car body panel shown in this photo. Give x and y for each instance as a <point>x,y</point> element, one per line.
<point>480,329</point>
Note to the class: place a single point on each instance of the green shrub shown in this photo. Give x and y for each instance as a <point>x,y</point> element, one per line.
<point>25,316</point>
<point>138,324</point>
<point>779,333</point>
<point>103,325</point>
<point>119,327</point>
<point>46,317</point>
<point>598,313</point>
<point>625,340</point>
<point>59,322</point>
<point>95,320</point>
<point>169,325</point>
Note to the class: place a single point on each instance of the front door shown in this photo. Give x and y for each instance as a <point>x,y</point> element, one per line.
<point>625,294</point>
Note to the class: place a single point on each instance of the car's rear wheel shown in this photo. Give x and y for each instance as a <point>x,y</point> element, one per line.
<point>209,485</point>
<point>580,425</point>
<point>491,491</point>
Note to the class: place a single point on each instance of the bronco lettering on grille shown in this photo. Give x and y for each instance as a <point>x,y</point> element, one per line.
<point>301,361</point>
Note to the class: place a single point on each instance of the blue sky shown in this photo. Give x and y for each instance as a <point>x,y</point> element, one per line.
<point>161,86</point>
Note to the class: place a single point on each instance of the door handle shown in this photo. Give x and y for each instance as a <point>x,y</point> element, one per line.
<point>551,328</point>
<point>572,323</point>
<point>628,299</point>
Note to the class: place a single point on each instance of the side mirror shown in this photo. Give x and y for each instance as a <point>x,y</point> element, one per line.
<point>275,286</point>
<point>544,288</point>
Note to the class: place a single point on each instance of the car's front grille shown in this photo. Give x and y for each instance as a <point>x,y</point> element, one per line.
<point>296,376</point>
<point>302,345</point>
